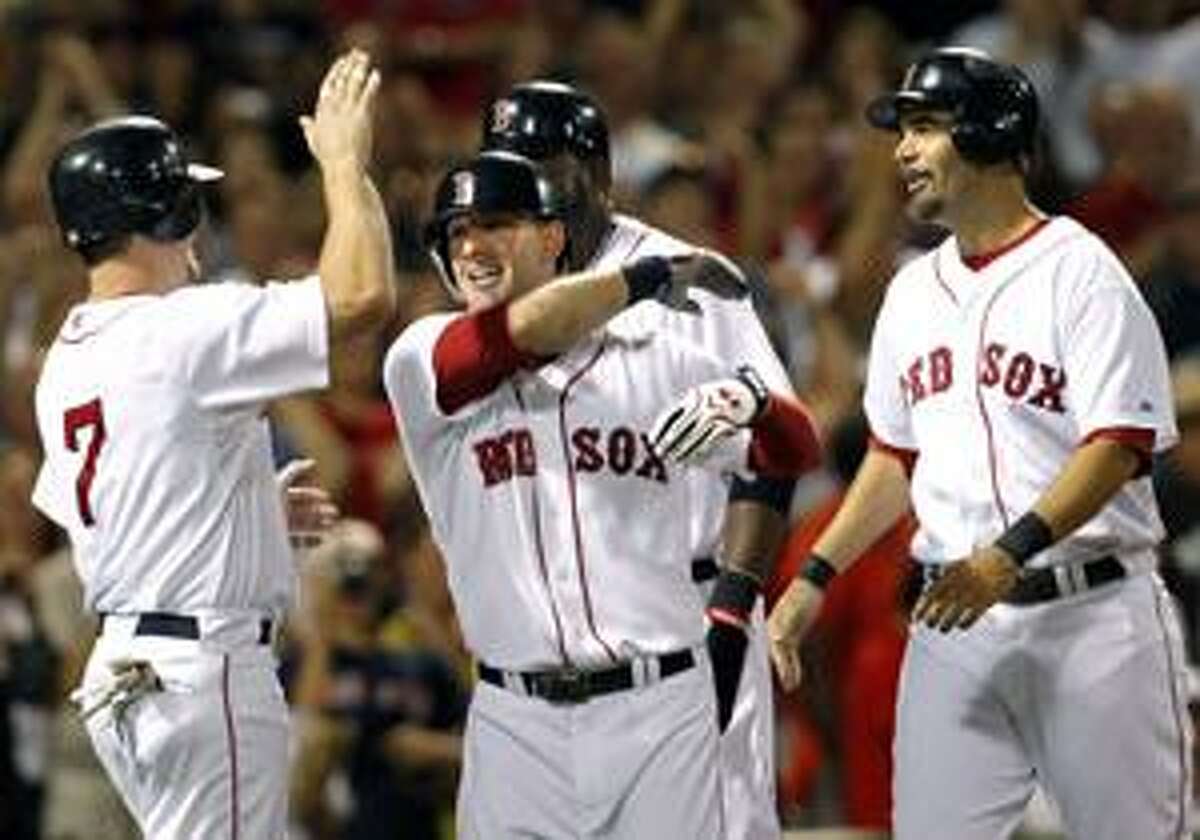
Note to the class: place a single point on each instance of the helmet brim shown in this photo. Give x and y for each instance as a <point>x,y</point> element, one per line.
<point>885,111</point>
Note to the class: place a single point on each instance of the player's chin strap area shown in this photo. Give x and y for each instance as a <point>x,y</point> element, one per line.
<point>1038,586</point>
<point>578,685</point>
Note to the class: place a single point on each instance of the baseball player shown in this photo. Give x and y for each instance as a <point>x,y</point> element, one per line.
<point>567,538</point>
<point>741,522</point>
<point>157,459</point>
<point>1017,388</point>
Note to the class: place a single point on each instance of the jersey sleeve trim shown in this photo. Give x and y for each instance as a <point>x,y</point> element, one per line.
<point>1139,440</point>
<point>906,457</point>
<point>784,441</point>
<point>473,355</point>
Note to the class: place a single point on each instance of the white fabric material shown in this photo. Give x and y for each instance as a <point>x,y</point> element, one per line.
<point>187,513</point>
<point>1044,694</point>
<point>630,765</point>
<point>565,537</point>
<point>1063,345</point>
<point>207,755</point>
<point>733,332</point>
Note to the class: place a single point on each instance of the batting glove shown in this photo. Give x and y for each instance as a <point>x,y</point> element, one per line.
<point>728,612</point>
<point>690,431</point>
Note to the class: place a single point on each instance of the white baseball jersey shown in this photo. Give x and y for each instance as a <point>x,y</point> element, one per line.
<point>158,465</point>
<point>157,456</point>
<point>567,541</point>
<point>730,330</point>
<point>995,377</point>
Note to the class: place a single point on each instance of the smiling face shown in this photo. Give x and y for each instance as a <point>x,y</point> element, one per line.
<point>498,257</point>
<point>934,174</point>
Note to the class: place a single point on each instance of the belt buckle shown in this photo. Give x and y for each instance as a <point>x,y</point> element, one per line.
<point>569,685</point>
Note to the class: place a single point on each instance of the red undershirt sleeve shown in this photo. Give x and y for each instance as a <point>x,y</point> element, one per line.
<point>473,355</point>
<point>784,442</point>
<point>1139,440</point>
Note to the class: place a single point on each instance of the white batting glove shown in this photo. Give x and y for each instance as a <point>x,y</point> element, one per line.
<point>691,431</point>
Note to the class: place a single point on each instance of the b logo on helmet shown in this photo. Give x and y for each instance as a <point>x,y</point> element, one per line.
<point>504,111</point>
<point>464,189</point>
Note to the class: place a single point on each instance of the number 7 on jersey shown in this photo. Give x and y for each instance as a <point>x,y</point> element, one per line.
<point>91,413</point>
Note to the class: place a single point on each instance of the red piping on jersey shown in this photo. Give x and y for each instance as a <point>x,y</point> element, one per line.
<point>906,457</point>
<point>540,550</point>
<point>978,262</point>
<point>1135,438</point>
<point>987,421</point>
<point>575,526</point>
<point>1185,785</point>
<point>474,355</point>
<point>937,273</point>
<point>785,443</point>
<point>231,741</point>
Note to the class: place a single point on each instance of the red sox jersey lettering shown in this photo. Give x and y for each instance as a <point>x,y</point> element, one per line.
<point>1018,375</point>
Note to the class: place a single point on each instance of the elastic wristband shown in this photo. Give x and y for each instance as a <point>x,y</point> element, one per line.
<point>1026,537</point>
<point>775,493</point>
<point>762,395</point>
<point>818,571</point>
<point>645,277</point>
<point>733,597</point>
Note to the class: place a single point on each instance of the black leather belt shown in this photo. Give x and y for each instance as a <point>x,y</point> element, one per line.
<point>177,626</point>
<point>570,685</point>
<point>1037,586</point>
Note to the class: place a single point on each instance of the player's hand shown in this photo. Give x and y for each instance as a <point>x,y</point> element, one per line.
<point>966,589</point>
<point>309,510</point>
<point>790,622</point>
<point>690,431</point>
<point>703,269</point>
<point>339,131</point>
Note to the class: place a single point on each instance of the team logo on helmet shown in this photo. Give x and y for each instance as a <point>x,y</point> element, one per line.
<point>464,189</point>
<point>504,111</point>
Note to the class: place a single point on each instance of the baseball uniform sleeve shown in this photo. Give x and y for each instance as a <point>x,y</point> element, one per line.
<point>1117,371</point>
<point>243,344</point>
<point>883,400</point>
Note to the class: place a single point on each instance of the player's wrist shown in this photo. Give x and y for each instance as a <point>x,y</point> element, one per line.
<point>645,278</point>
<point>1025,538</point>
<point>733,598</point>
<point>818,571</point>
<point>754,383</point>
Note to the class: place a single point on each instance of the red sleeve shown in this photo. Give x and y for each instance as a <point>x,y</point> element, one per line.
<point>785,442</point>
<point>907,457</point>
<point>1141,441</point>
<point>473,355</point>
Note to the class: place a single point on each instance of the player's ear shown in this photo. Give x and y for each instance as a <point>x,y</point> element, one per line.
<point>554,240</point>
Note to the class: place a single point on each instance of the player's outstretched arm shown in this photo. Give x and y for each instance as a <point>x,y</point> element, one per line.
<point>356,255</point>
<point>553,317</point>
<point>875,501</point>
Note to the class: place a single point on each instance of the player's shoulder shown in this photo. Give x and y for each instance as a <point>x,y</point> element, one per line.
<point>415,342</point>
<point>630,238</point>
<point>1082,260</point>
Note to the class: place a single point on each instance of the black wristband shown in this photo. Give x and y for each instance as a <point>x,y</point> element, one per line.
<point>751,379</point>
<point>733,597</point>
<point>645,277</point>
<point>1026,537</point>
<point>818,571</point>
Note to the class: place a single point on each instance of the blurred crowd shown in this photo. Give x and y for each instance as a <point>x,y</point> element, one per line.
<point>736,125</point>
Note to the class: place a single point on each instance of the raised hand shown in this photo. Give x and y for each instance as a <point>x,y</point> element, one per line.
<point>339,131</point>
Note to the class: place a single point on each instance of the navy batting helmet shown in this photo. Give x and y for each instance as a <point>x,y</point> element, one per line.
<point>542,119</point>
<point>494,183</point>
<point>124,176</point>
<point>993,105</point>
